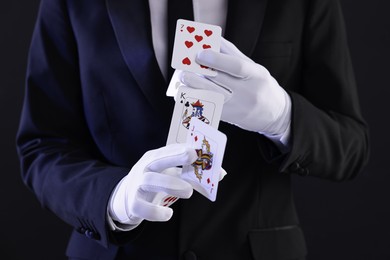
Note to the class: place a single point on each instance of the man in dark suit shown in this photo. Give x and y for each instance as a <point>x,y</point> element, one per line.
<point>95,105</point>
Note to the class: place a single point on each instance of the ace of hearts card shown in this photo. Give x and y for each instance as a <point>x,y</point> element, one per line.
<point>204,173</point>
<point>190,38</point>
<point>192,103</point>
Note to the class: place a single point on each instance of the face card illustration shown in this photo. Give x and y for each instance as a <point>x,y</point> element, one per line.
<point>209,145</point>
<point>190,38</point>
<point>194,103</point>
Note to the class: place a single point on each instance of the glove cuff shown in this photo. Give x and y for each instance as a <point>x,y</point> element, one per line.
<point>116,210</point>
<point>117,226</point>
<point>283,121</point>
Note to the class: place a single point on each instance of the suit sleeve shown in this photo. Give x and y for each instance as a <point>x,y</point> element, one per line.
<point>329,136</point>
<point>59,160</point>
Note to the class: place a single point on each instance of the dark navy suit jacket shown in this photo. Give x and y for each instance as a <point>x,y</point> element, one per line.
<point>95,103</point>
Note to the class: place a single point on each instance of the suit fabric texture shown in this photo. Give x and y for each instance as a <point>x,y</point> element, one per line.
<point>95,103</point>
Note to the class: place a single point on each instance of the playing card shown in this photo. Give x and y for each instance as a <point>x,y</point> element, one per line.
<point>190,38</point>
<point>192,103</point>
<point>209,145</point>
<point>174,84</point>
<point>164,199</point>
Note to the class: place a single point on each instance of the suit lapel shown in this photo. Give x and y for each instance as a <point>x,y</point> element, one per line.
<point>129,20</point>
<point>131,23</point>
<point>244,22</point>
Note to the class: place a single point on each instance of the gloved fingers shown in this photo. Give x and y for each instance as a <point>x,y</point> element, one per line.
<point>232,65</point>
<point>226,81</point>
<point>229,48</point>
<point>133,220</point>
<point>175,186</point>
<point>173,171</point>
<point>169,156</point>
<point>199,82</point>
<point>150,211</point>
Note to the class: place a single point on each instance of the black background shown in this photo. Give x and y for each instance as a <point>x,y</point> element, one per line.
<point>347,220</point>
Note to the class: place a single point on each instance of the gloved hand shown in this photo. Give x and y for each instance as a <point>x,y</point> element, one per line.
<point>133,199</point>
<point>253,98</point>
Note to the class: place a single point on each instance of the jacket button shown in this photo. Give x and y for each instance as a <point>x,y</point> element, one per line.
<point>190,255</point>
<point>88,233</point>
<point>91,234</point>
<point>81,230</point>
<point>295,166</point>
<point>303,171</point>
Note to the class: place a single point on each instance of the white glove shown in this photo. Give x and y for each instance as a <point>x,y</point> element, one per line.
<point>253,98</point>
<point>133,199</point>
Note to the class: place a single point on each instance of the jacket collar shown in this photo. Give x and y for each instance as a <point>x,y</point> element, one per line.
<point>244,23</point>
<point>132,27</point>
<point>129,20</point>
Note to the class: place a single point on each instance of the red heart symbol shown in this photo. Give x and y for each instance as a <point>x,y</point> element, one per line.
<point>186,61</point>
<point>188,44</point>
<point>198,38</point>
<point>190,29</point>
<point>208,32</point>
<point>206,46</point>
<point>208,180</point>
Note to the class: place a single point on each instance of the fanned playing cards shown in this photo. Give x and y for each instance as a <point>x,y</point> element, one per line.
<point>197,112</point>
